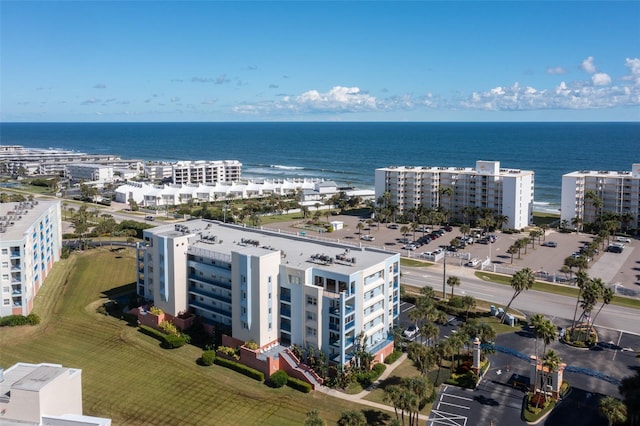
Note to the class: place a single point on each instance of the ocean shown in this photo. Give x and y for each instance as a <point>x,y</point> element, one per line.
<point>348,153</point>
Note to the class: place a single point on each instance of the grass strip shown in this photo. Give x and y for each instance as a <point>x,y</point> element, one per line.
<point>560,289</point>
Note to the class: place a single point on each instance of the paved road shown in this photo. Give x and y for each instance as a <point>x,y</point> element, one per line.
<point>550,305</point>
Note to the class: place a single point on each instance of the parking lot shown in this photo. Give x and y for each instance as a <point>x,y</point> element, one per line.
<point>620,270</point>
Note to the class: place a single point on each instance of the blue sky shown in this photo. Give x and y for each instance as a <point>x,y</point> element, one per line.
<point>319,61</point>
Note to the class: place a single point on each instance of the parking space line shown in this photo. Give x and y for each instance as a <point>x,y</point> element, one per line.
<point>464,407</point>
<point>459,397</point>
<point>444,418</point>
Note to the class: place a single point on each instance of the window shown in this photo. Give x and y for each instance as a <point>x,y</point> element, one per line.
<point>5,251</point>
<point>5,302</point>
<point>312,300</point>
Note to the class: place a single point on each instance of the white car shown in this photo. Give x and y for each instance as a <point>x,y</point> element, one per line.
<point>367,238</point>
<point>410,331</point>
<point>473,262</point>
<point>623,240</point>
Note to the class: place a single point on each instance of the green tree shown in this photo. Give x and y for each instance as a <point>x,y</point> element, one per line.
<point>630,390</point>
<point>521,281</point>
<point>468,303</point>
<point>314,419</point>
<point>453,282</point>
<point>352,418</point>
<point>613,409</point>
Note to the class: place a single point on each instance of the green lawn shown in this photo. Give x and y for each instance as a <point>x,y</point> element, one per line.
<point>556,289</point>
<point>126,375</point>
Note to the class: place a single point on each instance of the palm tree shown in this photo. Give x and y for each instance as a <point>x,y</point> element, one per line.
<point>360,227</point>
<point>453,282</point>
<point>314,419</point>
<point>521,281</point>
<point>468,302</point>
<point>429,331</point>
<point>352,418</point>
<point>501,220</point>
<point>551,361</point>
<point>613,409</point>
<point>630,390</point>
<point>607,296</point>
<point>513,249</point>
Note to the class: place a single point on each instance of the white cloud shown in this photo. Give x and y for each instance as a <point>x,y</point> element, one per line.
<point>338,99</point>
<point>588,66</point>
<point>601,79</point>
<point>99,86</point>
<point>556,70</point>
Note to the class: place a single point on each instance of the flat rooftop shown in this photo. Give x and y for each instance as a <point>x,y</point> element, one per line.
<point>17,217</point>
<point>212,238</point>
<point>31,377</point>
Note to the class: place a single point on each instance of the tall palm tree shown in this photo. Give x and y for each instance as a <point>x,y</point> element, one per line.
<point>613,409</point>
<point>468,302</point>
<point>551,361</point>
<point>453,282</point>
<point>521,281</point>
<point>607,296</point>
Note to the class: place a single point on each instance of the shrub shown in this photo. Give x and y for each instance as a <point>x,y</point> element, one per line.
<point>393,357</point>
<point>18,320</point>
<point>168,328</point>
<point>155,310</point>
<point>168,341</point>
<point>251,345</point>
<point>228,351</point>
<point>279,379</point>
<point>299,385</point>
<point>208,357</point>
<point>33,319</point>
<point>172,341</point>
<point>379,369</point>
<point>240,368</point>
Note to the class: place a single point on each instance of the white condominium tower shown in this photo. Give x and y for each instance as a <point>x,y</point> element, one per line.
<point>273,288</point>
<point>507,192</point>
<point>618,192</point>
<point>30,243</point>
<point>206,171</point>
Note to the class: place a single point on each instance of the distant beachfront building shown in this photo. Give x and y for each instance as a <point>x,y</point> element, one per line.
<point>172,195</point>
<point>89,172</point>
<point>272,288</point>
<point>206,172</point>
<point>43,394</point>
<point>30,243</point>
<point>619,192</point>
<point>507,192</point>
<point>158,172</point>
<point>18,160</point>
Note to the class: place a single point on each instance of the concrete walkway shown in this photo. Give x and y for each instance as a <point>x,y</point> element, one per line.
<point>359,397</point>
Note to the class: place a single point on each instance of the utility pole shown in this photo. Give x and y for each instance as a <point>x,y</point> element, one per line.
<point>444,276</point>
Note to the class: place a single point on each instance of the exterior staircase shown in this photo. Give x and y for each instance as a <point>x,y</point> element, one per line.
<point>297,369</point>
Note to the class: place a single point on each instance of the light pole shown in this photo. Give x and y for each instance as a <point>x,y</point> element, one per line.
<point>444,276</point>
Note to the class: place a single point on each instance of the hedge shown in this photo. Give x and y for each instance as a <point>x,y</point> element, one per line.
<point>167,341</point>
<point>18,320</point>
<point>298,384</point>
<point>240,368</point>
<point>393,357</point>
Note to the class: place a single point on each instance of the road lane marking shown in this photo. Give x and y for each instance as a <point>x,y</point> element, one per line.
<point>455,405</point>
<point>459,397</point>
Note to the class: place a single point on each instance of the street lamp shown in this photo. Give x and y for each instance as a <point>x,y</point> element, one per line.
<point>444,275</point>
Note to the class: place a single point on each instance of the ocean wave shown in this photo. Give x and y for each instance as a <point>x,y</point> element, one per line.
<point>279,166</point>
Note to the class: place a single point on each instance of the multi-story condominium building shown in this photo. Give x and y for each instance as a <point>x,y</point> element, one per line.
<point>507,192</point>
<point>43,394</point>
<point>89,172</point>
<point>16,159</point>
<point>619,192</point>
<point>30,243</point>
<point>273,288</point>
<point>185,172</point>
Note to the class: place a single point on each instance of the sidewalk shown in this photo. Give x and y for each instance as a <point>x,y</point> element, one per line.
<point>359,397</point>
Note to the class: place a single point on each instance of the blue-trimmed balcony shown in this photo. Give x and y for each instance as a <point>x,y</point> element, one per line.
<point>222,284</point>
<point>380,345</point>
<point>210,308</point>
<point>209,294</point>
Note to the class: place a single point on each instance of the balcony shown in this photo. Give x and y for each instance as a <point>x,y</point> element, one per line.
<point>209,308</point>
<point>15,253</point>
<point>209,294</point>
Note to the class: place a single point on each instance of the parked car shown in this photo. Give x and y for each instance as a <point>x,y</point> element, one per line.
<point>411,331</point>
<point>473,262</point>
<point>426,255</point>
<point>393,226</point>
<point>550,244</point>
<point>368,237</point>
<point>623,240</point>
<point>614,249</point>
